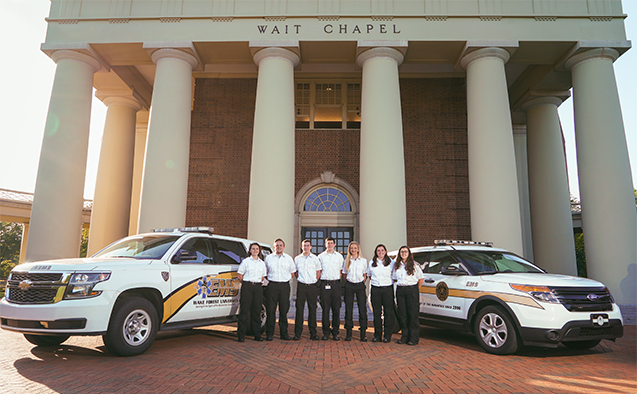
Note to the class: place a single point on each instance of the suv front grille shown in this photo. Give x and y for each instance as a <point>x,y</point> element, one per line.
<point>584,299</point>
<point>39,288</point>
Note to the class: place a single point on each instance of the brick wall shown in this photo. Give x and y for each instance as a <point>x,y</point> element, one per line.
<point>434,124</point>
<point>436,167</point>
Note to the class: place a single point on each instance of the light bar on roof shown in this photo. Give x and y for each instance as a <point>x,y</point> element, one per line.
<point>457,242</point>
<point>200,229</point>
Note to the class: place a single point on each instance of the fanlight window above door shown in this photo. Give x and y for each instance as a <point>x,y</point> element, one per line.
<point>327,199</point>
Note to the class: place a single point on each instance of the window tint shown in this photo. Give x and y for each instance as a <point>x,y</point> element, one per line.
<point>201,247</point>
<point>138,247</point>
<point>228,252</point>
<point>422,258</point>
<point>437,260</point>
<point>493,262</point>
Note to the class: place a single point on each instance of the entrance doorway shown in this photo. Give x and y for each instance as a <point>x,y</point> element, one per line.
<point>342,235</point>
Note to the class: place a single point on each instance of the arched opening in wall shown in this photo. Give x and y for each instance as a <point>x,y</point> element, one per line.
<point>326,206</point>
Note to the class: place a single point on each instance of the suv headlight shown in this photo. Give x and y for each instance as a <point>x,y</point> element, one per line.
<point>541,293</point>
<point>81,284</point>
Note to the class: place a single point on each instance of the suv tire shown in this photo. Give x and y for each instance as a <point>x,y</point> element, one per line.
<point>46,340</point>
<point>132,328</point>
<point>495,331</point>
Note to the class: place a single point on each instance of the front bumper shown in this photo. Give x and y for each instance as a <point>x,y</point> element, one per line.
<point>580,330</point>
<point>71,317</point>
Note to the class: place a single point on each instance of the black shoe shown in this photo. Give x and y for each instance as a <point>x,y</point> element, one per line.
<point>401,341</point>
<point>314,337</point>
<point>410,343</point>
<point>375,339</point>
<point>258,339</point>
<point>241,340</point>
<point>386,340</point>
<point>337,338</point>
<point>347,338</point>
<point>325,337</point>
<point>363,337</point>
<point>269,338</point>
<point>285,337</point>
<point>296,338</point>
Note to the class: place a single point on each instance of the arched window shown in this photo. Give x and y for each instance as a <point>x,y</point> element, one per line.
<point>327,199</point>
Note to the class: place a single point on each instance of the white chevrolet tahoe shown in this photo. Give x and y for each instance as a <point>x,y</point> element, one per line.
<point>506,301</point>
<point>168,279</point>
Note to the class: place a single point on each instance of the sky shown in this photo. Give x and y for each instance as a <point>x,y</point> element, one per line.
<point>26,78</point>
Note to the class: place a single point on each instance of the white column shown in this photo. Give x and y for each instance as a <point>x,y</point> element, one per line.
<point>271,206</point>
<point>521,163</point>
<point>493,185</point>
<point>605,182</point>
<point>111,203</point>
<point>383,207</point>
<point>141,130</point>
<point>56,215</point>
<point>551,220</point>
<point>165,180</point>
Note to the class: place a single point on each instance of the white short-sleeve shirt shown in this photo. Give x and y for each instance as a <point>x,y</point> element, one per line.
<point>331,265</point>
<point>253,270</point>
<point>357,270</point>
<point>280,267</point>
<point>380,275</point>
<point>306,268</point>
<point>402,278</point>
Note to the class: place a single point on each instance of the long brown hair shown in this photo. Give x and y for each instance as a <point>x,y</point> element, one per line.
<point>409,261</point>
<point>386,260</point>
<point>260,250</point>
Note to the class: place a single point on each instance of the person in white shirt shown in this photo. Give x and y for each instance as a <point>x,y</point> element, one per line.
<point>408,277</point>
<point>251,273</point>
<point>380,274</point>
<point>331,271</point>
<point>281,269</point>
<point>308,272</point>
<point>355,272</point>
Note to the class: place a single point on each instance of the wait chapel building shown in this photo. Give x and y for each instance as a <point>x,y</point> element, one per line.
<point>380,121</point>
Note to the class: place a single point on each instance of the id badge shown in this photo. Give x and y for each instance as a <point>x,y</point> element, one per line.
<point>327,287</point>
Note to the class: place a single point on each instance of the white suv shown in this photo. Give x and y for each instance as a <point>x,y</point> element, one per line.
<point>506,301</point>
<point>168,279</point>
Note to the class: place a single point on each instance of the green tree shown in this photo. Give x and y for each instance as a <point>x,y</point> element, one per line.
<point>580,255</point>
<point>84,243</point>
<point>5,268</point>
<point>10,241</point>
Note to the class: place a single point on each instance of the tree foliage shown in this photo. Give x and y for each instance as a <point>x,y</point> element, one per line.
<point>10,241</point>
<point>580,255</point>
<point>84,243</point>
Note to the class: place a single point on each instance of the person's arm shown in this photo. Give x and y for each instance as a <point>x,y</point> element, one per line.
<point>240,276</point>
<point>420,281</point>
<point>318,275</point>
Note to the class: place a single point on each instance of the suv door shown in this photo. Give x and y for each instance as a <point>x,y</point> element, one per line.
<point>439,294</point>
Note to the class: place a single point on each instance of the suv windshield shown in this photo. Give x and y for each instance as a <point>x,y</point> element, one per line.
<point>139,247</point>
<point>493,262</point>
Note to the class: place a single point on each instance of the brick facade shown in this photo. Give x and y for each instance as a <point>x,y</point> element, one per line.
<point>435,138</point>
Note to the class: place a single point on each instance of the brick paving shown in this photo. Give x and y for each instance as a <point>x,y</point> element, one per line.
<point>209,360</point>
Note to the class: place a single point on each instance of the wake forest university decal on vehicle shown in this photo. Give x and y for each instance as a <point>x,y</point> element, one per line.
<point>203,292</point>
<point>441,290</point>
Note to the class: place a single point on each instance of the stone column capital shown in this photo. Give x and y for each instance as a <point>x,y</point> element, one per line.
<point>598,53</point>
<point>170,53</point>
<point>484,53</point>
<point>118,98</point>
<point>542,100</point>
<point>77,56</point>
<point>277,53</point>
<point>380,52</point>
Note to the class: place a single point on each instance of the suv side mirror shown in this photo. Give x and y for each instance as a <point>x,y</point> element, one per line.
<point>184,255</point>
<point>452,270</point>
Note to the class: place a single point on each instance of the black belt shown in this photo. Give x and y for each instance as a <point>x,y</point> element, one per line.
<point>254,283</point>
<point>407,285</point>
<point>307,284</point>
<point>330,281</point>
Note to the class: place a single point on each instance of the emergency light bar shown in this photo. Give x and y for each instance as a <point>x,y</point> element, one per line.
<point>456,242</point>
<point>200,229</point>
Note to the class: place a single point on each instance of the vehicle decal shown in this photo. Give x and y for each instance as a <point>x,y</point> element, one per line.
<point>221,285</point>
<point>442,291</point>
<point>473,294</point>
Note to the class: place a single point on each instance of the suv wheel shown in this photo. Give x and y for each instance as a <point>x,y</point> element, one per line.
<point>495,330</point>
<point>132,328</point>
<point>582,345</point>
<point>46,340</point>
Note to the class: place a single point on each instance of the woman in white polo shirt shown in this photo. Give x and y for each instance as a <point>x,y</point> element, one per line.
<point>355,272</point>
<point>380,272</point>
<point>251,273</point>
<point>408,277</point>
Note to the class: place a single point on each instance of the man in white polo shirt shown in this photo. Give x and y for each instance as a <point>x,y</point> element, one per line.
<point>331,271</point>
<point>281,269</point>
<point>308,272</point>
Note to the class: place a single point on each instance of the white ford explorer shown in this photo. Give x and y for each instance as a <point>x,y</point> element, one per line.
<point>506,301</point>
<point>168,279</point>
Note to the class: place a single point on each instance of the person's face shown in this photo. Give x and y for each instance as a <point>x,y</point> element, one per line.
<point>381,252</point>
<point>330,245</point>
<point>278,247</point>
<point>404,253</point>
<point>353,250</point>
<point>254,251</point>
<point>307,247</point>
